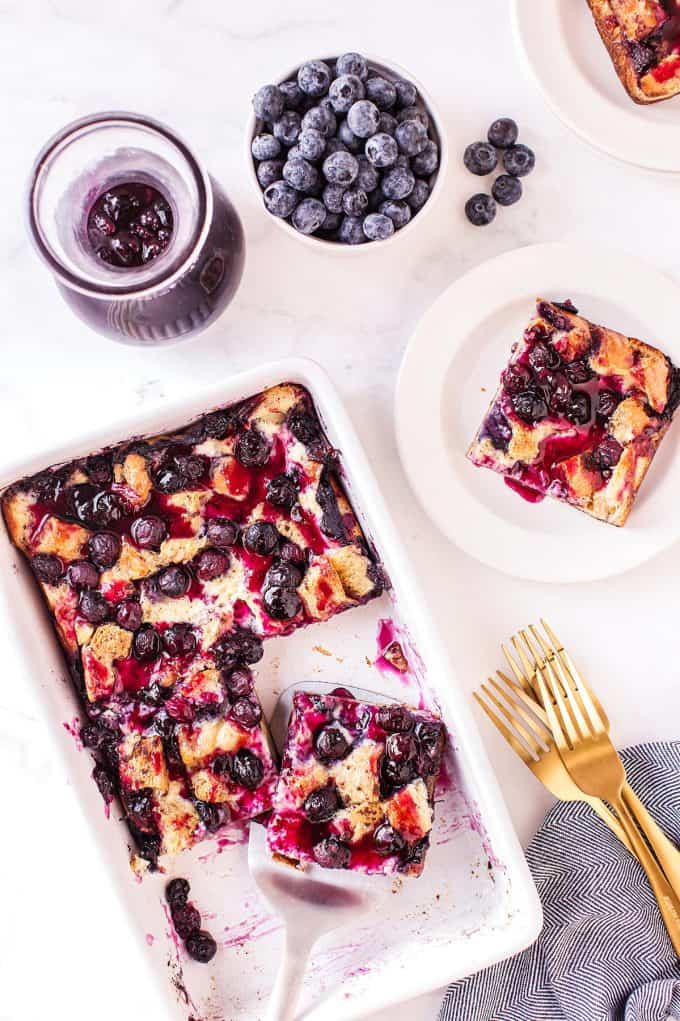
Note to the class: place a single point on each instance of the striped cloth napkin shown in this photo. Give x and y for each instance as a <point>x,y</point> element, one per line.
<point>603,954</point>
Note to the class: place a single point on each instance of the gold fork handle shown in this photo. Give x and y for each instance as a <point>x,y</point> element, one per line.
<point>609,819</point>
<point>666,852</point>
<point>669,905</point>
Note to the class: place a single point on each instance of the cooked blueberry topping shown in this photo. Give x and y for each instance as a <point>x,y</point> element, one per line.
<point>282,491</point>
<point>332,523</point>
<point>578,371</point>
<point>236,648</point>
<point>238,682</point>
<point>480,158</point>
<point>192,466</point>
<point>247,769</point>
<point>177,893</point>
<point>201,946</point>
<point>415,854</point>
<point>314,78</point>
<point>607,403</point>
<point>395,719</point>
<point>125,224</point>
<point>497,428</point>
<point>261,538</point>
<point>543,356</point>
<point>281,602</point>
<point>246,712</point>
<point>579,408</point>
<point>291,553</point>
<point>363,118</point>
<point>94,508</point>
<point>503,133</point>
<point>519,160</point>
<point>129,615</point>
<point>47,568</point>
<point>148,532</point>
<point>169,480</point>
<point>222,532</point>
<point>93,606</point>
<point>480,210</point>
<point>330,744</point>
<point>82,574</point>
<point>211,563</point>
<point>322,804</point>
<point>352,63</point>
<point>607,453</point>
<point>401,747</point>
<point>179,640</point>
<point>530,406</point>
<point>218,424</point>
<point>309,216</point>
<point>146,645</point>
<point>506,190</point>
<point>388,841</point>
<point>332,853</point>
<point>209,814</point>
<point>280,199</point>
<point>396,774</point>
<point>560,322</point>
<point>556,388</point>
<point>516,378</point>
<point>252,449</point>
<point>304,427</point>
<point>104,782</point>
<point>99,469</point>
<point>104,549</point>
<point>221,765</point>
<point>173,581</point>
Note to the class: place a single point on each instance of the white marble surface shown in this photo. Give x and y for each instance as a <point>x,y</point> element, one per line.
<point>195,65</point>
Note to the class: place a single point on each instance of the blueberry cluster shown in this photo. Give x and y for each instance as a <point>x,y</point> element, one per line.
<point>186,919</point>
<point>481,158</point>
<point>343,153</point>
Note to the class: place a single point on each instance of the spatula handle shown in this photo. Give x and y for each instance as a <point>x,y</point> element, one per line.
<point>288,984</point>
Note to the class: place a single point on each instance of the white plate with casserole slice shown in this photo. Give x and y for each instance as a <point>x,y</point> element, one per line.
<point>449,375</point>
<point>560,46</point>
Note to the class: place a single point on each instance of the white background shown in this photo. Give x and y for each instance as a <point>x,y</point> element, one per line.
<point>195,65</point>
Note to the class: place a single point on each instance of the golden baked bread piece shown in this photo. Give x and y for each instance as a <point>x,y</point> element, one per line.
<point>579,414</point>
<point>643,40</point>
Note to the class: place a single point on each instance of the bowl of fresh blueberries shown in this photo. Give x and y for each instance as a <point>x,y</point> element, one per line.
<point>346,151</point>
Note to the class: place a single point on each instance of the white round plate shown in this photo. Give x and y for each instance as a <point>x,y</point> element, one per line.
<point>560,43</point>
<point>449,375</point>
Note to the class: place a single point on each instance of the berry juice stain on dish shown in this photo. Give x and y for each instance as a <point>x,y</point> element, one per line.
<point>130,225</point>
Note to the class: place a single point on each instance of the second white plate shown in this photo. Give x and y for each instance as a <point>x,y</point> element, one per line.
<point>560,44</point>
<point>450,372</point>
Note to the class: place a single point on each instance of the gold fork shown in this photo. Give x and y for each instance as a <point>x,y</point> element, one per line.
<point>569,676</point>
<point>583,742</point>
<point>531,740</point>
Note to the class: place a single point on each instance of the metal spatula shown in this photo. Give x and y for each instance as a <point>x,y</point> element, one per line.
<point>316,901</point>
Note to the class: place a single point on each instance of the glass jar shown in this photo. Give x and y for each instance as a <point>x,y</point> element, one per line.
<point>177,292</point>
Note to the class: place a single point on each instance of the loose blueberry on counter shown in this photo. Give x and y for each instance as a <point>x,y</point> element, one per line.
<point>507,190</point>
<point>480,210</point>
<point>322,804</point>
<point>352,63</point>
<point>251,449</point>
<point>47,568</point>
<point>222,532</point>
<point>330,744</point>
<point>309,216</point>
<point>411,137</point>
<point>287,127</point>
<point>269,102</point>
<point>382,150</point>
<point>314,78</point>
<point>480,158</point>
<point>503,133</point>
<point>378,227</point>
<point>247,769</point>
<point>351,231</point>
<point>260,538</point>
<point>398,183</point>
<point>398,211</point>
<point>265,147</point>
<point>201,946</point>
<point>129,615</point>
<point>311,143</point>
<point>332,853</point>
<point>281,602</point>
<point>381,92</point>
<point>363,118</point>
<point>93,606</point>
<point>344,91</point>
<point>519,160</point>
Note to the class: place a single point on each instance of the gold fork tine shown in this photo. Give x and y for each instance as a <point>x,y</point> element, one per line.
<point>521,679</point>
<point>529,701</point>
<point>516,745</point>
<point>572,693</point>
<point>541,735</point>
<point>585,701</point>
<point>529,671</point>
<point>532,744</point>
<point>550,709</point>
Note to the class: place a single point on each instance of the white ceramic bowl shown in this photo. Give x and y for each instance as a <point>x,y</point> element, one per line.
<point>437,133</point>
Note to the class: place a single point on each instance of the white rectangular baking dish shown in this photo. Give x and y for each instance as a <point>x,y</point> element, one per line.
<point>475,903</point>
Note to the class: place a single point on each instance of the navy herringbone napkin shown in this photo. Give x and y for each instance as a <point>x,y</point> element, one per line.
<point>603,954</point>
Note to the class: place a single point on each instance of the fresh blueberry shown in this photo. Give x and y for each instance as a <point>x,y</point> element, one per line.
<point>503,133</point>
<point>201,946</point>
<point>406,92</point>
<point>247,769</point>
<point>378,227</point>
<point>480,210</point>
<point>419,195</point>
<point>507,190</point>
<point>246,713</point>
<point>252,448</point>
<point>332,853</point>
<point>314,78</point>
<point>93,606</point>
<point>387,123</point>
<point>355,202</point>
<point>398,183</point>
<point>322,119</point>
<point>287,127</point>
<point>332,197</point>
<point>261,538</point>
<point>301,175</point>
<point>388,841</point>
<point>346,90</point>
<point>104,549</point>
<point>311,144</point>
<point>411,137</point>
<point>349,139</point>
<point>295,153</point>
<point>351,231</point>
<point>281,602</point>
<point>530,406</point>
<point>280,199</point>
<point>334,145</point>
<point>146,645</point>
<point>47,568</point>
<point>129,615</point>
<point>381,92</point>
<point>221,531</point>
<point>519,160</point>
<point>352,63</point>
<point>211,563</point>
<point>269,171</point>
<point>341,168</point>
<point>292,95</point>
<point>363,118</point>
<point>398,211</point>
<point>268,103</point>
<point>480,158</point>
<point>331,744</point>
<point>368,177</point>
<point>173,581</point>
<point>579,408</point>
<point>239,682</point>
<point>265,147</point>
<point>309,216</point>
<point>322,804</point>
<point>282,491</point>
<point>81,574</point>
<point>427,161</point>
<point>410,113</point>
<point>382,150</point>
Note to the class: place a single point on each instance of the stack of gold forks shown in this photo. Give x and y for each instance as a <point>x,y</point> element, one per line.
<point>551,718</point>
